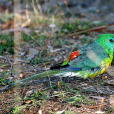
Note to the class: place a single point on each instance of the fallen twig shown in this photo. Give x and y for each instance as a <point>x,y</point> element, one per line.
<point>10,63</point>
<point>92,108</point>
<point>5,88</point>
<point>91,30</point>
<point>25,30</point>
<point>3,57</point>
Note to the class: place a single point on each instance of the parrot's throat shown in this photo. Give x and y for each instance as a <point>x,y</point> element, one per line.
<point>108,50</point>
<point>110,53</point>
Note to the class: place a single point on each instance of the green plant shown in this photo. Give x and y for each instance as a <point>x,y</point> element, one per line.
<point>3,79</point>
<point>6,44</point>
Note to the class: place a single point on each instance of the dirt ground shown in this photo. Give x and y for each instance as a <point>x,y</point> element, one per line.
<point>55,95</point>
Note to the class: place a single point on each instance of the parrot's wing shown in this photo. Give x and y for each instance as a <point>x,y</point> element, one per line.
<point>89,58</point>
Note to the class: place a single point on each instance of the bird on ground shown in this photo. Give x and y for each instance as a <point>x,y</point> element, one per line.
<point>89,61</point>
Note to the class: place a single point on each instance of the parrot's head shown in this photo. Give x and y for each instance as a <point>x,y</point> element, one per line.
<point>106,41</point>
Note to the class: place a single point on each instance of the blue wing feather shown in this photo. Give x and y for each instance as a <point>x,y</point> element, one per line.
<point>74,69</point>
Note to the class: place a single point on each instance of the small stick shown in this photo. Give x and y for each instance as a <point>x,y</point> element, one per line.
<point>102,100</point>
<point>10,63</point>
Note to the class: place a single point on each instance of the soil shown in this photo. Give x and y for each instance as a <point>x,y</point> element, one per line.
<point>98,93</point>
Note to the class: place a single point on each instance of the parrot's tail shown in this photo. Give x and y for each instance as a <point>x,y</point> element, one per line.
<point>43,74</point>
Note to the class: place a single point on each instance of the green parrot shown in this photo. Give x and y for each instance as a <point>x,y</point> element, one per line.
<point>88,61</point>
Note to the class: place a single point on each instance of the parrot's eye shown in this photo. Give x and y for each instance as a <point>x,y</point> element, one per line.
<point>111,40</point>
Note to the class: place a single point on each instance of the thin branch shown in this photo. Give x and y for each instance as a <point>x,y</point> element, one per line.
<point>91,30</point>
<point>25,30</point>
<point>10,63</point>
<point>92,108</point>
